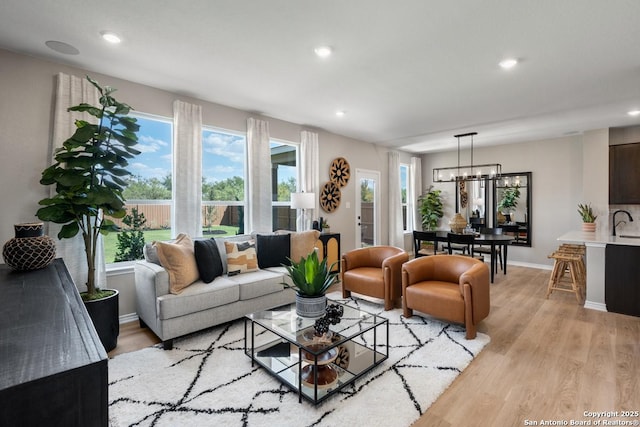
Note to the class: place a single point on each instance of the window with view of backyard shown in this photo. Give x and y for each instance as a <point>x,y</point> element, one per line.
<point>149,189</point>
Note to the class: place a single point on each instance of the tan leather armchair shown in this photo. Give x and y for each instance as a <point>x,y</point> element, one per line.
<point>450,287</point>
<point>374,271</point>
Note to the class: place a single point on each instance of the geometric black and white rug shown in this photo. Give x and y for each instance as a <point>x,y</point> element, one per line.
<point>207,380</point>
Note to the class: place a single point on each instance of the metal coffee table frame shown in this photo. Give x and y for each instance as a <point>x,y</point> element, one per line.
<point>275,339</point>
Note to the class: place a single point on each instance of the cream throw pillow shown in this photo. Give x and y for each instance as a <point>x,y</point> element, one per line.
<point>302,243</point>
<point>179,259</point>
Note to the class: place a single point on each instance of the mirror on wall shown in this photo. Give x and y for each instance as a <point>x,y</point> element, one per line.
<point>512,206</point>
<point>472,202</point>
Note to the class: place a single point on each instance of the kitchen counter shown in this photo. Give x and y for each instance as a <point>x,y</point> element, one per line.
<point>599,237</point>
<point>596,244</point>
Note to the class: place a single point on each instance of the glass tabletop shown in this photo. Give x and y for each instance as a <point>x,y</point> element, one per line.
<point>285,322</point>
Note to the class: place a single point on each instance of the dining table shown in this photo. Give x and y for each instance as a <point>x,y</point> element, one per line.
<point>492,240</point>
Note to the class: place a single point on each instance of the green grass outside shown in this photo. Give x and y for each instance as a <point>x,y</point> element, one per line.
<point>111,239</point>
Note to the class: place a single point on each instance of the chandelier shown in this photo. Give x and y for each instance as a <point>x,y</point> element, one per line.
<point>470,172</point>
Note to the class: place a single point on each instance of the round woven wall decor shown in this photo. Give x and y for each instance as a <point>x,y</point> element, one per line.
<point>339,171</point>
<point>330,197</point>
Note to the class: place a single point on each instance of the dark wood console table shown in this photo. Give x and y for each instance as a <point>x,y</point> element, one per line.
<point>53,368</point>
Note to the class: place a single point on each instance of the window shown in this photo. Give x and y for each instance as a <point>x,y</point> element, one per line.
<point>223,182</point>
<point>284,181</point>
<point>148,192</point>
<point>404,179</point>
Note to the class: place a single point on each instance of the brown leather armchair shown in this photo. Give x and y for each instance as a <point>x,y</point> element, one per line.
<point>449,287</point>
<point>374,271</point>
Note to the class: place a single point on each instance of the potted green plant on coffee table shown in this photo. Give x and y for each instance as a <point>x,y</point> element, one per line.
<point>311,278</point>
<point>89,177</point>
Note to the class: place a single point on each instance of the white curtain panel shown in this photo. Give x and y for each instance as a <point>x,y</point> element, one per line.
<point>415,190</point>
<point>186,211</point>
<point>71,91</point>
<point>396,232</point>
<point>259,217</point>
<point>309,172</point>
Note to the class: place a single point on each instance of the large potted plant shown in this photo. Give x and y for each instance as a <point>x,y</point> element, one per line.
<point>430,206</point>
<point>311,278</point>
<point>89,177</point>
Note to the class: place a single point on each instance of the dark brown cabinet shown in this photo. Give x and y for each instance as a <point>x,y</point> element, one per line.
<point>53,368</point>
<point>622,289</point>
<point>624,174</point>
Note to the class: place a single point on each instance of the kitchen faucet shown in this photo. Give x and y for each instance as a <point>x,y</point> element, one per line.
<point>614,219</point>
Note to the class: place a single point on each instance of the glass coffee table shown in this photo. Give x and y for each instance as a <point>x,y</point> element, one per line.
<point>316,367</point>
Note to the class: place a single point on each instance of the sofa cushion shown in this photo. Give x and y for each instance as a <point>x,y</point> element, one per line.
<point>273,250</point>
<point>258,283</point>
<point>282,271</point>
<point>241,257</point>
<point>179,260</point>
<point>207,259</point>
<point>197,297</point>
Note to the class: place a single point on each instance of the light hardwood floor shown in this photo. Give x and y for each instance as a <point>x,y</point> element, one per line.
<point>547,360</point>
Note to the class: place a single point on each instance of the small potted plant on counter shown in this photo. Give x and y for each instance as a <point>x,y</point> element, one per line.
<point>588,217</point>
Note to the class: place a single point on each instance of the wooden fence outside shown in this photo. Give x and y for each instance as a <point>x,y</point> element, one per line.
<point>158,215</point>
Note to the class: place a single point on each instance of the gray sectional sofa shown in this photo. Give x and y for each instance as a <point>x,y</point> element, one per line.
<point>199,305</point>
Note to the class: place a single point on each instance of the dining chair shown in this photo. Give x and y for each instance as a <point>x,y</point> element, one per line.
<point>511,229</point>
<point>466,241</point>
<point>431,241</point>
<point>484,249</point>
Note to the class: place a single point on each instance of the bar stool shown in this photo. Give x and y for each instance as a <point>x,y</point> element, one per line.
<point>568,258</point>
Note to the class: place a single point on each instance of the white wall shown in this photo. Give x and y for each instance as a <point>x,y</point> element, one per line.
<point>27,85</point>
<point>565,172</point>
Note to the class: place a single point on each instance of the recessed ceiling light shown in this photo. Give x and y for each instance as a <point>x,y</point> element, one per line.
<point>111,37</point>
<point>340,113</point>
<point>508,63</point>
<point>323,51</point>
<point>634,113</point>
<point>62,47</point>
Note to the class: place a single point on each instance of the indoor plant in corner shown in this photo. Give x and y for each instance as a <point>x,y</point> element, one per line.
<point>89,176</point>
<point>588,217</point>
<point>311,278</point>
<point>430,205</point>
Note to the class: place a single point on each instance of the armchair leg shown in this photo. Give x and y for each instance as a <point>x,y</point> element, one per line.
<point>468,313</point>
<point>388,305</point>
<point>406,311</point>
<point>345,293</point>
<point>471,331</point>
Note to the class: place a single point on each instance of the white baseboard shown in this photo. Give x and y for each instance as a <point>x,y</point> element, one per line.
<point>595,305</point>
<point>531,265</point>
<point>127,318</point>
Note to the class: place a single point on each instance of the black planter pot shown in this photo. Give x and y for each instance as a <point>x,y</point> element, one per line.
<point>105,316</point>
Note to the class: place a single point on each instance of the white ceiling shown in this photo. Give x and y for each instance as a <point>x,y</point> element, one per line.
<point>409,74</point>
